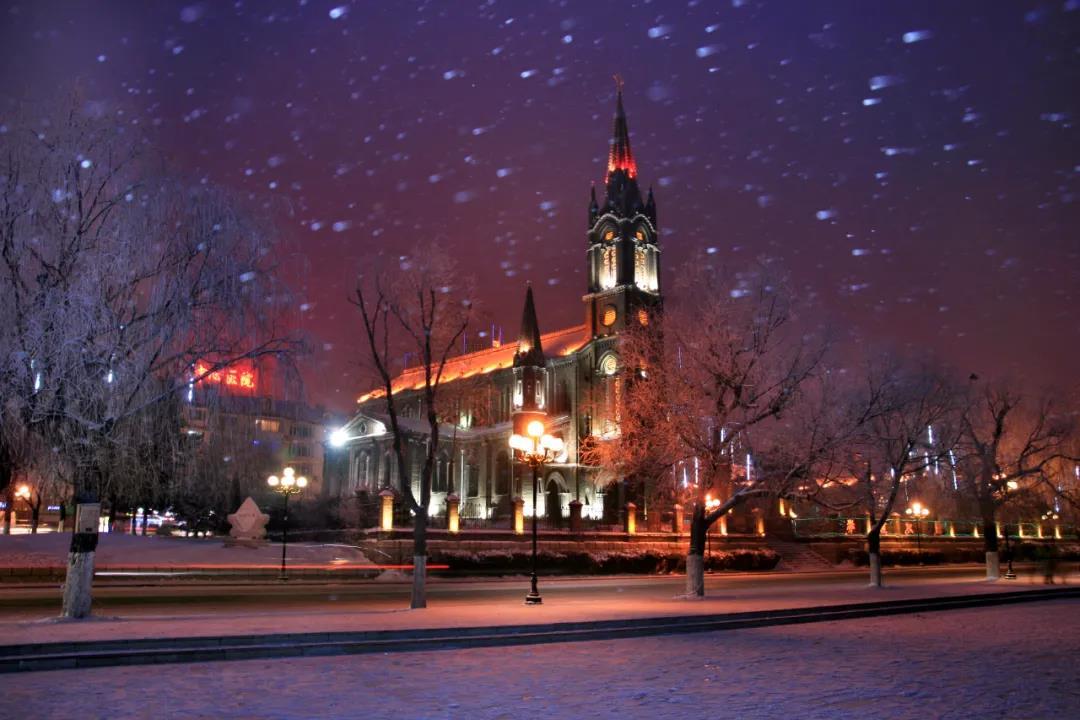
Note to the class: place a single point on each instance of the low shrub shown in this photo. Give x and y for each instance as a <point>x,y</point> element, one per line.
<point>742,560</point>
<point>611,563</point>
<point>904,556</point>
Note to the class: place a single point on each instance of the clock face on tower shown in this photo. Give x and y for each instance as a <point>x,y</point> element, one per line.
<point>609,365</point>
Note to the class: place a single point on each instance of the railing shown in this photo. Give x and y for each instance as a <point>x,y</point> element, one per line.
<point>894,527</point>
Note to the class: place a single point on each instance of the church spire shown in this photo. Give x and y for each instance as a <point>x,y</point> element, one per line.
<point>620,156</point>
<point>623,195</point>
<point>530,351</point>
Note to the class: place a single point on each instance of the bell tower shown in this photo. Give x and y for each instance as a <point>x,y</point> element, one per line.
<point>624,251</point>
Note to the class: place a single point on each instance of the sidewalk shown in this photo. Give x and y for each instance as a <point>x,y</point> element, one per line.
<point>476,612</point>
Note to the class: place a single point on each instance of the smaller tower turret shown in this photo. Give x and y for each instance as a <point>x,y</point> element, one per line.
<point>530,370</point>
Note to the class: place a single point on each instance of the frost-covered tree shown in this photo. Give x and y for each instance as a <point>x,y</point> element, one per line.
<point>711,379</point>
<point>114,280</point>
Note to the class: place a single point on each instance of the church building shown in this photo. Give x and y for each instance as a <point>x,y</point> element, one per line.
<point>578,387</point>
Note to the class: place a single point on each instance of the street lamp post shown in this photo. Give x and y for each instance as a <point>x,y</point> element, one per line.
<point>288,484</point>
<point>918,511</point>
<point>534,449</point>
<point>1009,574</point>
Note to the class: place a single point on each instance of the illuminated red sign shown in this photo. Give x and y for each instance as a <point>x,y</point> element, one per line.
<point>241,377</point>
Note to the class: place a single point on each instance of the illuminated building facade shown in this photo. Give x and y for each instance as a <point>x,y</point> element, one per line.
<point>242,418</point>
<point>577,384</point>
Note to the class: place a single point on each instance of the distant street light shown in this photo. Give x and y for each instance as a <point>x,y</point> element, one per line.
<point>339,437</point>
<point>534,449</point>
<point>288,484</point>
<point>918,511</point>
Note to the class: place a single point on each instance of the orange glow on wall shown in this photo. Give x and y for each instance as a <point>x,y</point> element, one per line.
<point>481,362</point>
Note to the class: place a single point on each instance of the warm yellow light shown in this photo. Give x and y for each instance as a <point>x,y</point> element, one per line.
<point>288,472</point>
<point>535,428</point>
<point>23,492</point>
<point>288,481</point>
<point>387,519</point>
<point>519,517</point>
<point>273,481</point>
<point>301,482</point>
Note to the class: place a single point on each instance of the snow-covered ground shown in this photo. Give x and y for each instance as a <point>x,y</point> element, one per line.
<point>50,550</point>
<point>1007,661</point>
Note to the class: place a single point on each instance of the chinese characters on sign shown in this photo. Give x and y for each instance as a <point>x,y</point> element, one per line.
<point>236,377</point>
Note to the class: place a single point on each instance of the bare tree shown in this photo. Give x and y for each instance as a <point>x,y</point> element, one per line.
<point>890,410</point>
<point>419,305</point>
<point>114,281</point>
<point>1008,444</point>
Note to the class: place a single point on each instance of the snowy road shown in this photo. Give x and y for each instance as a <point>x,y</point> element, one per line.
<point>1012,661</point>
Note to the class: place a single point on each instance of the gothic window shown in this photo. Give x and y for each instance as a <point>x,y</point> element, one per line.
<point>641,271</point>
<point>608,272</point>
<point>610,314</point>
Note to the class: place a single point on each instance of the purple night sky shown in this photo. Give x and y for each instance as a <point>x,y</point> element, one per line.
<point>915,165</point>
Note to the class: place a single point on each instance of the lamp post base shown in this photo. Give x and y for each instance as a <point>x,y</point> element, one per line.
<point>533,598</point>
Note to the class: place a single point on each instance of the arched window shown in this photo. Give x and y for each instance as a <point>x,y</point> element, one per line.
<point>386,469</point>
<point>363,471</point>
<point>611,391</point>
<point>502,473</point>
<point>472,481</point>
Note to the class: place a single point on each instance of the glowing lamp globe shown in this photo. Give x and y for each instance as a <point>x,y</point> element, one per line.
<point>339,437</point>
<point>535,428</point>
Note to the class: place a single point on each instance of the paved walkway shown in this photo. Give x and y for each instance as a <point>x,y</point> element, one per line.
<point>474,608</point>
<point>992,662</point>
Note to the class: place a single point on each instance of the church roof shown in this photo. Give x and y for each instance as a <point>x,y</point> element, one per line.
<point>559,343</point>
